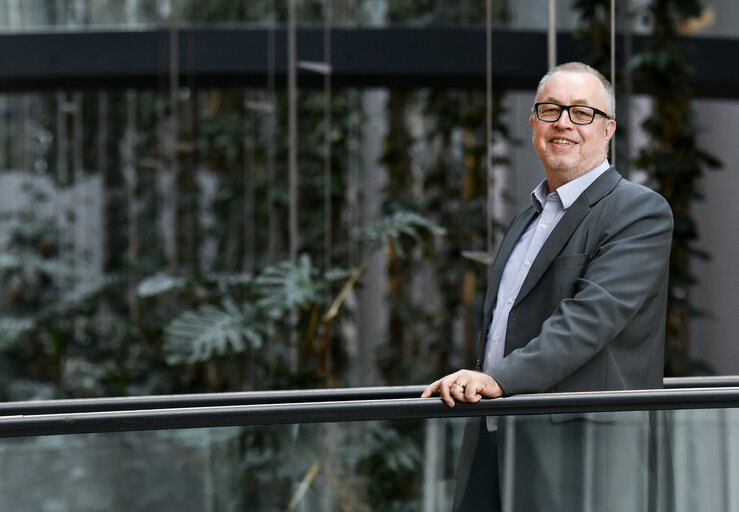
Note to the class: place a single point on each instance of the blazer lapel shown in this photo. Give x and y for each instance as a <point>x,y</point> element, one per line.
<point>566,227</point>
<point>514,233</point>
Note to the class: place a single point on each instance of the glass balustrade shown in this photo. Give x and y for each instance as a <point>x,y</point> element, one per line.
<point>681,460</point>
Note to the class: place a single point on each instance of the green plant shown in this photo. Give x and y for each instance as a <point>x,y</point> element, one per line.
<point>673,158</point>
<point>283,298</point>
<point>676,162</point>
<point>52,316</point>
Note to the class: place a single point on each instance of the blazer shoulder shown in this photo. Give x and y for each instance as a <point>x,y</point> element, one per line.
<point>614,187</point>
<point>631,203</point>
<point>630,191</point>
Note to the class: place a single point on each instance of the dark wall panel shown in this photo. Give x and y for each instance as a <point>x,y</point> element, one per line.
<point>399,57</point>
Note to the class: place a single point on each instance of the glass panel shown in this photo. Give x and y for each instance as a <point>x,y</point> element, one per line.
<point>705,452</point>
<point>593,461</point>
<point>30,15</point>
<point>632,461</point>
<point>718,18</point>
<point>626,461</point>
<point>348,466</point>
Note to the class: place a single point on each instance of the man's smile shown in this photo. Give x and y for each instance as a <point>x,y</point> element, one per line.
<point>562,142</point>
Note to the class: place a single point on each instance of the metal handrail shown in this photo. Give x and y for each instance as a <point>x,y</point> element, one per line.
<point>208,400</point>
<point>269,397</point>
<point>702,382</point>
<point>363,410</point>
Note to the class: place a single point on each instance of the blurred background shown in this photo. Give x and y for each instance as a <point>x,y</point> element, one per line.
<point>223,195</point>
<point>220,195</point>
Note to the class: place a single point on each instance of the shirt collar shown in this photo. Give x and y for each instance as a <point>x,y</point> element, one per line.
<point>570,191</point>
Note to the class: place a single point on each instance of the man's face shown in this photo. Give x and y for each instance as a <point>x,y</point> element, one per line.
<point>569,150</point>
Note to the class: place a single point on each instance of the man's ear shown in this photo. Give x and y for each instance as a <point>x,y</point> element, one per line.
<point>610,129</point>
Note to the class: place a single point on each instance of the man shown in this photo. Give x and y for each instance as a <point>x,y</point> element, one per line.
<point>576,302</point>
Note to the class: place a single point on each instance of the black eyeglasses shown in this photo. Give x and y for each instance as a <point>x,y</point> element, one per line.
<point>579,114</point>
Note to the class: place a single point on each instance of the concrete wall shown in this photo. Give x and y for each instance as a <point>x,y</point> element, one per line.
<point>715,337</point>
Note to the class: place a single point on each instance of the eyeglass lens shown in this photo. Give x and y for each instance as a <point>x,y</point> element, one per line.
<point>579,114</point>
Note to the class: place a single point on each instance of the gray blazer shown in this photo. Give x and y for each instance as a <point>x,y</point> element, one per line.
<point>590,316</point>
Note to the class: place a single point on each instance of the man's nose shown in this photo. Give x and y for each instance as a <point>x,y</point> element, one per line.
<point>564,120</point>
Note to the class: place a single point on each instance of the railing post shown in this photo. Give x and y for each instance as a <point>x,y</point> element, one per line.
<point>433,468</point>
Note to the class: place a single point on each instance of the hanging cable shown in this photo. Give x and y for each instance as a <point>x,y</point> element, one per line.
<point>174,87</point>
<point>327,135</point>
<point>489,123</point>
<point>613,71</point>
<point>271,121</point>
<point>486,257</point>
<point>551,33</point>
<point>292,135</point>
<point>627,86</point>
<point>324,68</point>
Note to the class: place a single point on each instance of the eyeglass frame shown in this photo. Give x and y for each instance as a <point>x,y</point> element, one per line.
<point>567,108</point>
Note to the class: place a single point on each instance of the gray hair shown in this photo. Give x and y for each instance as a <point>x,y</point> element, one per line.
<point>579,67</point>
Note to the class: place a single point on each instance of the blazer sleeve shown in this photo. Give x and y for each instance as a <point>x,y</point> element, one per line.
<point>626,268</point>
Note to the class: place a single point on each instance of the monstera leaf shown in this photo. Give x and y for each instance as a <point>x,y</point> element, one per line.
<point>279,291</point>
<point>211,331</point>
<point>287,286</point>
<point>400,223</point>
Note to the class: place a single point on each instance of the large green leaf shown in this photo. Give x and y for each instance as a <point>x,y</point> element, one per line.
<point>403,222</point>
<point>210,331</point>
<point>286,286</point>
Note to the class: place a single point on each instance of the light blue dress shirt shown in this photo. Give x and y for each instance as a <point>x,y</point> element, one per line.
<point>551,207</point>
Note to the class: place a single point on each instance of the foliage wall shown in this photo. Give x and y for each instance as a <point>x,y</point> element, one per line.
<point>146,251</point>
<point>186,286</point>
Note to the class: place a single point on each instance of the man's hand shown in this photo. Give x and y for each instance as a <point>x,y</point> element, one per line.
<point>464,386</point>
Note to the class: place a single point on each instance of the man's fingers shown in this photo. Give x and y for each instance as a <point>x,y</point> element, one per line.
<point>471,394</point>
<point>446,391</point>
<point>431,389</point>
<point>464,386</point>
<point>461,386</point>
